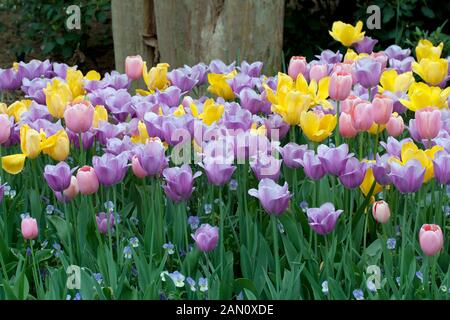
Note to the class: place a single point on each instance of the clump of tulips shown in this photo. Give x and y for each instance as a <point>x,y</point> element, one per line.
<point>214,173</point>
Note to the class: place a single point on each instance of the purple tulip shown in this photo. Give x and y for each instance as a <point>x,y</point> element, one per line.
<point>381,169</point>
<point>35,112</point>
<point>33,89</point>
<point>407,178</point>
<point>353,173</point>
<point>218,66</point>
<point>323,220</point>
<point>206,237</point>
<point>58,176</point>
<point>401,66</point>
<point>330,57</point>
<point>239,82</point>
<point>110,169</point>
<point>117,80</point>
<point>365,45</point>
<point>177,129</point>
<point>395,52</point>
<point>179,182</point>
<point>102,222</point>
<point>98,97</point>
<point>394,147</point>
<point>441,163</point>
<point>10,79</point>
<point>170,96</point>
<point>253,102</point>
<point>119,104</point>
<point>253,70</point>
<point>219,169</point>
<point>312,165</point>
<point>292,154</point>
<point>367,72</point>
<point>182,79</point>
<point>107,131</point>
<point>152,157</point>
<point>273,197</point>
<point>117,146</point>
<point>87,139</point>
<point>266,166</point>
<point>236,117</point>
<point>198,72</point>
<point>334,159</point>
<point>60,69</point>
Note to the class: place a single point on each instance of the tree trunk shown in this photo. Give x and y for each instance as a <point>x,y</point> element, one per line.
<point>190,31</point>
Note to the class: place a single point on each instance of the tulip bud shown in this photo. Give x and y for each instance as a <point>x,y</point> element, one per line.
<point>87,180</point>
<point>29,228</point>
<point>431,239</point>
<point>382,109</point>
<point>428,122</point>
<point>380,211</point>
<point>395,126</point>
<point>79,117</point>
<point>206,237</point>
<point>340,85</point>
<point>70,193</point>
<point>137,168</point>
<point>362,116</point>
<point>318,71</point>
<point>346,128</point>
<point>5,128</point>
<point>133,67</point>
<point>297,65</point>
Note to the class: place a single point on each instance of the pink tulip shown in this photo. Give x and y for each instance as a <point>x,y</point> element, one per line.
<point>29,228</point>
<point>340,85</point>
<point>349,104</point>
<point>72,191</point>
<point>346,66</point>
<point>297,65</point>
<point>380,211</point>
<point>431,239</point>
<point>318,71</point>
<point>382,109</point>
<point>133,67</point>
<point>87,180</point>
<point>79,116</point>
<point>5,128</point>
<point>346,128</point>
<point>428,122</point>
<point>381,57</point>
<point>362,116</point>
<point>137,168</point>
<point>395,126</point>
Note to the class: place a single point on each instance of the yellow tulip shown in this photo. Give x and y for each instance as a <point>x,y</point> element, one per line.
<point>317,92</point>
<point>422,96</point>
<point>369,179</point>
<point>317,126</point>
<point>156,78</point>
<point>351,55</point>
<point>13,164</point>
<point>93,75</point>
<point>392,81</point>
<point>284,85</point>
<point>57,146</point>
<point>431,71</point>
<point>74,79</point>
<point>425,49</point>
<point>143,136</point>
<point>179,112</point>
<point>292,106</point>
<point>100,114</point>
<point>376,128</point>
<point>218,84</point>
<point>346,33</point>
<point>30,142</point>
<point>212,112</point>
<point>17,108</point>
<point>57,95</point>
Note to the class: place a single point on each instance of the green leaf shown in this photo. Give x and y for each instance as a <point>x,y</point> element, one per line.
<point>427,12</point>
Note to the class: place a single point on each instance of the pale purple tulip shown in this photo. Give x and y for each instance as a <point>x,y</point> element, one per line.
<point>273,197</point>
<point>179,182</point>
<point>110,169</point>
<point>323,220</point>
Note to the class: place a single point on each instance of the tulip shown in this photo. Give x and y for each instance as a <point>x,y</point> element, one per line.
<point>13,164</point>
<point>265,166</point>
<point>365,45</point>
<point>218,169</point>
<point>87,180</point>
<point>340,85</point>
<point>18,108</point>
<point>68,194</point>
<point>103,224</point>
<point>312,165</point>
<point>110,169</point>
<point>156,78</point>
<point>441,163</point>
<point>380,211</point>
<point>353,174</point>
<point>297,65</point>
<point>57,96</point>
<point>152,157</point>
<point>206,237</point>
<point>348,105</point>
<point>333,159</point>
<point>368,181</point>
<point>346,33</point>
<point>425,49</point>
<point>58,176</point>
<point>362,116</point>
<point>57,146</point>
<point>75,81</point>
<point>179,182</point>
<point>293,105</point>
<point>431,239</point>
<point>137,169</point>
<point>382,108</point>
<point>395,125</point>
<point>133,67</point>
<point>428,122</point>
<point>100,114</point>
<point>212,112</point>
<point>381,169</point>
<point>292,154</point>
<point>367,72</point>
<point>273,197</point>
<point>5,128</point>
<point>79,116</point>
<point>219,86</point>
<point>30,142</point>
<point>318,71</point>
<point>423,96</point>
<point>182,79</point>
<point>432,72</point>
<point>323,220</point>
<point>407,178</point>
<point>346,128</point>
<point>316,125</point>
<point>29,228</point>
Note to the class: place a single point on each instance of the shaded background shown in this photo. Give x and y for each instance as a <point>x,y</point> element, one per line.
<point>36,29</point>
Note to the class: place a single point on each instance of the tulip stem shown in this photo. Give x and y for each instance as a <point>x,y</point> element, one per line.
<point>337,140</point>
<point>36,277</point>
<point>80,140</point>
<point>221,227</point>
<point>276,253</point>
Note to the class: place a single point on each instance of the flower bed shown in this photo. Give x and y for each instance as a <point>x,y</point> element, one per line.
<point>329,181</point>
